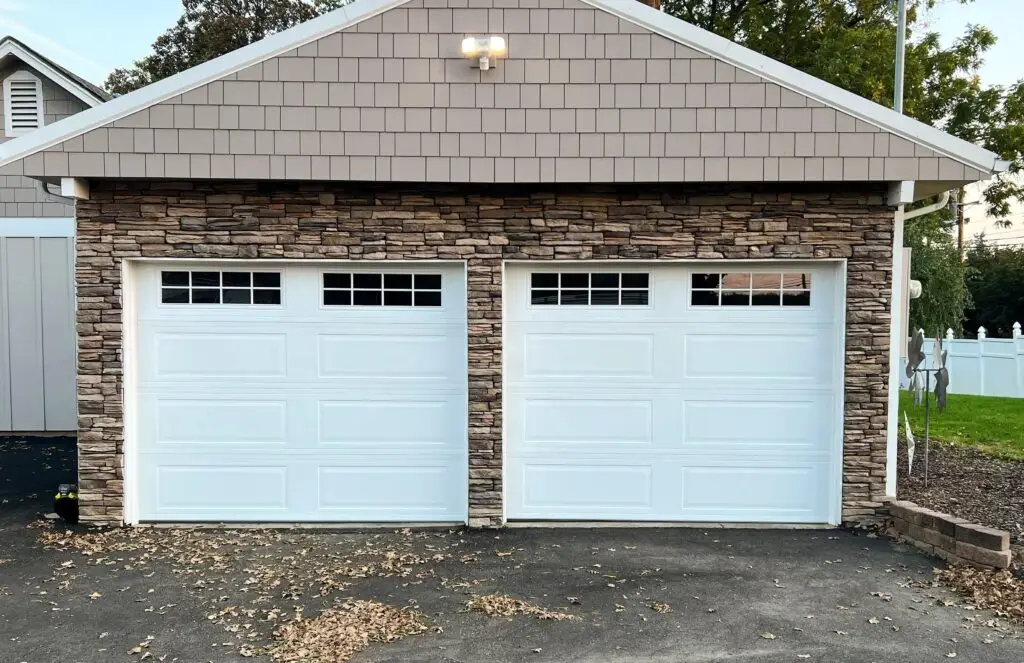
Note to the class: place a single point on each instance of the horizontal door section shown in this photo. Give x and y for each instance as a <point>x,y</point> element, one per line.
<point>672,392</point>
<point>272,391</point>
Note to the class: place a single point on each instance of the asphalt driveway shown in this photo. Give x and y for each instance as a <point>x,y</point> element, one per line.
<point>635,594</point>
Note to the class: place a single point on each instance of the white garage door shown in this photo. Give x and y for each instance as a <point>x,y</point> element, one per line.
<point>673,393</point>
<point>274,392</point>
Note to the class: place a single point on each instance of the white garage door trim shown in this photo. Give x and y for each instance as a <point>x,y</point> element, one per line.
<point>130,345</point>
<point>838,268</point>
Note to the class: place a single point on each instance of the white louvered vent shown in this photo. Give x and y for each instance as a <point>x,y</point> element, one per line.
<point>23,103</point>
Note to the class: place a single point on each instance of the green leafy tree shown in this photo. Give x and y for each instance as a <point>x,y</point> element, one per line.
<point>935,262</point>
<point>995,278</point>
<point>210,28</point>
<point>852,44</point>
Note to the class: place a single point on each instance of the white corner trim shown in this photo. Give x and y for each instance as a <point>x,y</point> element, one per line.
<point>897,311</point>
<point>900,193</point>
<point>831,95</point>
<point>74,187</point>
<point>38,227</point>
<point>125,105</point>
<point>55,75</point>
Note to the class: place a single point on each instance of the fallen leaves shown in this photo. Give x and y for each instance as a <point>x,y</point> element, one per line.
<point>500,605</point>
<point>661,607</point>
<point>1001,591</point>
<point>337,634</point>
<point>768,636</point>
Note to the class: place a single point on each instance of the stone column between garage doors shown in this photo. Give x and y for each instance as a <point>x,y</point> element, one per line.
<point>483,226</point>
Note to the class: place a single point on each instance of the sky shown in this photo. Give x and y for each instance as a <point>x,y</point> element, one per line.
<point>92,37</point>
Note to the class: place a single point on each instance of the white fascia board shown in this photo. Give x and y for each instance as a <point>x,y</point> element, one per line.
<point>229,63</point>
<point>55,75</point>
<point>37,227</point>
<point>884,118</point>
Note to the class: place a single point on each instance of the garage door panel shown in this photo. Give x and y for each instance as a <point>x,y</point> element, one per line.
<point>388,491</point>
<point>765,356</point>
<point>388,423</point>
<point>755,492</point>
<point>224,355</point>
<point>386,355</point>
<point>570,487</point>
<point>797,424</point>
<point>590,421</point>
<point>220,421</point>
<point>227,488</point>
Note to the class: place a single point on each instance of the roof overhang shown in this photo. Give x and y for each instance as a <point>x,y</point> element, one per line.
<point>12,49</point>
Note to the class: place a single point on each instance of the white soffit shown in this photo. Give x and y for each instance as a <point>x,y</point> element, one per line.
<point>630,10</point>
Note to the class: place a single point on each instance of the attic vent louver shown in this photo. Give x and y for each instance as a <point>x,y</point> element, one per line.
<point>23,103</point>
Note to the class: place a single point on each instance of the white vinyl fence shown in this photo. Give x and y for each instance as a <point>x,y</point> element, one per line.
<point>983,366</point>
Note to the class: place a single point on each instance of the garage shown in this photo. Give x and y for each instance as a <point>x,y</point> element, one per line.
<point>273,391</point>
<point>704,391</point>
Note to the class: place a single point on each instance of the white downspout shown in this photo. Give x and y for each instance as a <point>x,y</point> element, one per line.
<point>895,363</point>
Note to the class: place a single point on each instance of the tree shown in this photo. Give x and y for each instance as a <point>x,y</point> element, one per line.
<point>852,44</point>
<point>995,277</point>
<point>211,28</point>
<point>935,262</point>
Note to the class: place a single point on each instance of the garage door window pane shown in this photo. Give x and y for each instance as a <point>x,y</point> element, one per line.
<point>266,279</point>
<point>575,297</point>
<point>237,279</point>
<point>174,278</point>
<point>237,296</point>
<point>584,288</point>
<point>205,296</point>
<point>378,289</point>
<point>544,280</point>
<point>205,279</point>
<point>265,296</point>
<point>763,289</point>
<point>634,298</point>
<point>174,296</point>
<point>367,298</point>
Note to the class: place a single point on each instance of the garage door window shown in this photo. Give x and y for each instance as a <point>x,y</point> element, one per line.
<point>378,289</point>
<point>751,289</point>
<point>206,287</point>
<point>589,289</point>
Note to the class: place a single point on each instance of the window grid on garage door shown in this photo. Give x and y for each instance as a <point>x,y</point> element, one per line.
<point>217,287</point>
<point>381,289</point>
<point>589,288</point>
<point>750,289</point>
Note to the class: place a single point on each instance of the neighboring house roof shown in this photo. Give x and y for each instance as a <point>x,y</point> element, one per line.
<point>949,159</point>
<point>73,83</point>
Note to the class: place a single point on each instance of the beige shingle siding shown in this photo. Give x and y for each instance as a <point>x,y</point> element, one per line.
<point>21,197</point>
<point>584,96</point>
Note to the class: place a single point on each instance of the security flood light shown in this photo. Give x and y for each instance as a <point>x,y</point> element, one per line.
<point>481,50</point>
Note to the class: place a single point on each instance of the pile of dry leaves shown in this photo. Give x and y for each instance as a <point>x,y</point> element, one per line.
<point>1000,591</point>
<point>337,634</point>
<point>500,605</point>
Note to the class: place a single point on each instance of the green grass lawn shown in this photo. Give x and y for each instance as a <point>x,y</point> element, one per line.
<point>990,424</point>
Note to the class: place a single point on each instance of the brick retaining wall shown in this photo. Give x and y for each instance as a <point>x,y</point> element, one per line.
<point>950,538</point>
<point>482,225</point>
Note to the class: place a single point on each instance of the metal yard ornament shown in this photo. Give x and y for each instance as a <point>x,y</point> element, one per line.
<point>911,444</point>
<point>915,370</point>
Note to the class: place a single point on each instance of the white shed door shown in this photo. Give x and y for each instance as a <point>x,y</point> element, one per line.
<point>673,393</point>
<point>279,392</point>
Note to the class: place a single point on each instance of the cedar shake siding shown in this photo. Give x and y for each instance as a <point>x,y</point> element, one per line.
<point>583,96</point>
<point>483,227</point>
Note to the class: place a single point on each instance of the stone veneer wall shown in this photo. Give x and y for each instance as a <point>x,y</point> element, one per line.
<point>483,225</point>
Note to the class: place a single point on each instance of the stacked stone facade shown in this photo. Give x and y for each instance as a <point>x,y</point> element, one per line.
<point>483,226</point>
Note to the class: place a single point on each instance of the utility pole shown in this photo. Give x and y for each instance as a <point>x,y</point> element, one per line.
<point>901,52</point>
<point>960,224</point>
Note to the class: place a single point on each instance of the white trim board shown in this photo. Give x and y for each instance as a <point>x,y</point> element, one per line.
<point>38,227</point>
<point>45,68</point>
<point>629,10</point>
